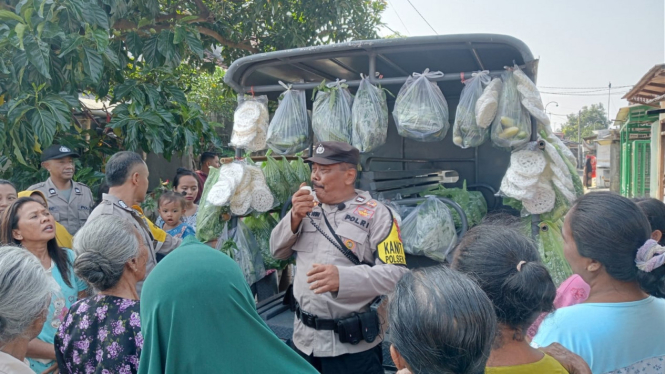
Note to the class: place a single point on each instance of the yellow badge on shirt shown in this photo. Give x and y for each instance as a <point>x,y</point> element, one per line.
<point>391,250</point>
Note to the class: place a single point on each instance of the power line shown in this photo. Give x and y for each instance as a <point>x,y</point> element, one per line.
<point>421,16</point>
<point>580,92</point>
<point>583,88</point>
<point>587,94</point>
<point>398,16</point>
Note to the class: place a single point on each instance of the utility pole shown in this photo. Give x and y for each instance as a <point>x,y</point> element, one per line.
<point>609,92</point>
<point>579,140</point>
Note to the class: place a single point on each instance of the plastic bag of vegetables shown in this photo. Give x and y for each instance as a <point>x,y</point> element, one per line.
<point>250,123</point>
<point>331,115</point>
<point>275,180</point>
<point>370,117</point>
<point>512,125</point>
<point>239,244</point>
<point>289,129</point>
<point>466,132</point>
<point>302,170</point>
<point>209,219</point>
<point>261,227</point>
<point>429,230</point>
<point>289,175</point>
<point>421,110</point>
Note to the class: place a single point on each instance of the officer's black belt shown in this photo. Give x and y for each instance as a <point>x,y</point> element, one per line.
<point>312,321</point>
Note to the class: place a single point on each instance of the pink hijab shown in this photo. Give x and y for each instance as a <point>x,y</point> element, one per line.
<point>571,292</point>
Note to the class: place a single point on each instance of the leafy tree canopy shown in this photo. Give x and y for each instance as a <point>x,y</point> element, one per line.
<point>590,119</point>
<point>144,56</point>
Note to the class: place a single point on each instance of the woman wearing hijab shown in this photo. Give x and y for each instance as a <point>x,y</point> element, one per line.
<point>62,236</point>
<point>207,323</point>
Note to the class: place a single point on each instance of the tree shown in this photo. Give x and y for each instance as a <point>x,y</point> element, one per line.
<point>144,57</point>
<point>590,119</point>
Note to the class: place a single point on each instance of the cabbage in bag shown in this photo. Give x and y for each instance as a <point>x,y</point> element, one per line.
<point>261,227</point>
<point>289,129</point>
<point>429,230</point>
<point>331,115</point>
<point>421,110</point>
<point>512,125</point>
<point>370,117</point>
<point>289,175</point>
<point>466,132</point>
<point>302,171</point>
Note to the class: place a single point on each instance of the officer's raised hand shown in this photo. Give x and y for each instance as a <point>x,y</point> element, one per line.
<point>303,202</point>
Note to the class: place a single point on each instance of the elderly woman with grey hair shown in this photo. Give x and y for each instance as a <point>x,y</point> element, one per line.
<point>25,294</point>
<point>440,322</point>
<point>103,333</point>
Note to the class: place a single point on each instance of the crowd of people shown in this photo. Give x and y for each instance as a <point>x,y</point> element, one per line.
<point>86,295</point>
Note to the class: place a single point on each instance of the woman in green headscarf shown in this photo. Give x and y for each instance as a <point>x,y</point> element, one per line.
<point>198,316</point>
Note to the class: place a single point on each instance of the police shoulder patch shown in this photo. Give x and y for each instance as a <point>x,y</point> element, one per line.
<point>364,212</point>
<point>391,249</point>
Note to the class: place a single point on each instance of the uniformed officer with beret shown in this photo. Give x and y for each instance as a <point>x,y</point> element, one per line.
<point>348,253</point>
<point>69,202</point>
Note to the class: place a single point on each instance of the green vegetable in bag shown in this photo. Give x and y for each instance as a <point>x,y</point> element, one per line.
<point>289,175</point>
<point>429,230</point>
<point>370,117</point>
<point>209,221</point>
<point>274,179</point>
<point>261,227</point>
<point>302,170</point>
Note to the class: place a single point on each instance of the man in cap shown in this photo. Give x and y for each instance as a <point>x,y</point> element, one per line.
<point>69,202</point>
<point>127,179</point>
<point>348,254</point>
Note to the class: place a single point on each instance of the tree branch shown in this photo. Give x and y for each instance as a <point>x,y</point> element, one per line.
<point>213,34</point>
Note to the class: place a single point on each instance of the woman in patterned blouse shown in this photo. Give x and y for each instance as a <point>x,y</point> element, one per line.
<point>102,334</point>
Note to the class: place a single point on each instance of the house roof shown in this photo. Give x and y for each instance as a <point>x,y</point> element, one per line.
<point>650,89</point>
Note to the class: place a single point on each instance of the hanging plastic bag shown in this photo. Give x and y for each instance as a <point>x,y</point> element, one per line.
<point>250,123</point>
<point>429,230</point>
<point>275,180</point>
<point>421,110</point>
<point>302,171</point>
<point>289,175</point>
<point>209,221</point>
<point>512,125</point>
<point>530,96</point>
<point>261,227</point>
<point>289,129</point>
<point>241,246</point>
<point>370,117</point>
<point>466,132</point>
<point>331,116</point>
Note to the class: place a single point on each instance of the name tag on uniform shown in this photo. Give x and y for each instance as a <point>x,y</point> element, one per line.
<point>391,249</point>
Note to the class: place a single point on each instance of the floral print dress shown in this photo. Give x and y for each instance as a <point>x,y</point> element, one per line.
<point>101,335</point>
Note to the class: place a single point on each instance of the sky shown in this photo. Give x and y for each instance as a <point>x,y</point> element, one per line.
<point>581,43</point>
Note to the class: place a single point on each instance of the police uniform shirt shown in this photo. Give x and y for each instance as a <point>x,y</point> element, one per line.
<point>72,213</point>
<point>368,229</point>
<point>111,205</point>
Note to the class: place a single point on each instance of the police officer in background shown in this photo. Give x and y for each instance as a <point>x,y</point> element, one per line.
<point>348,254</point>
<point>69,202</point>
<point>127,179</point>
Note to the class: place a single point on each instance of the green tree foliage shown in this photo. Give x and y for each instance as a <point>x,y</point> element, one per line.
<point>147,57</point>
<point>590,118</point>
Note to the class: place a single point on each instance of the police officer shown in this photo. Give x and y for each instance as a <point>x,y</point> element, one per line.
<point>348,253</point>
<point>69,202</point>
<point>127,178</point>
